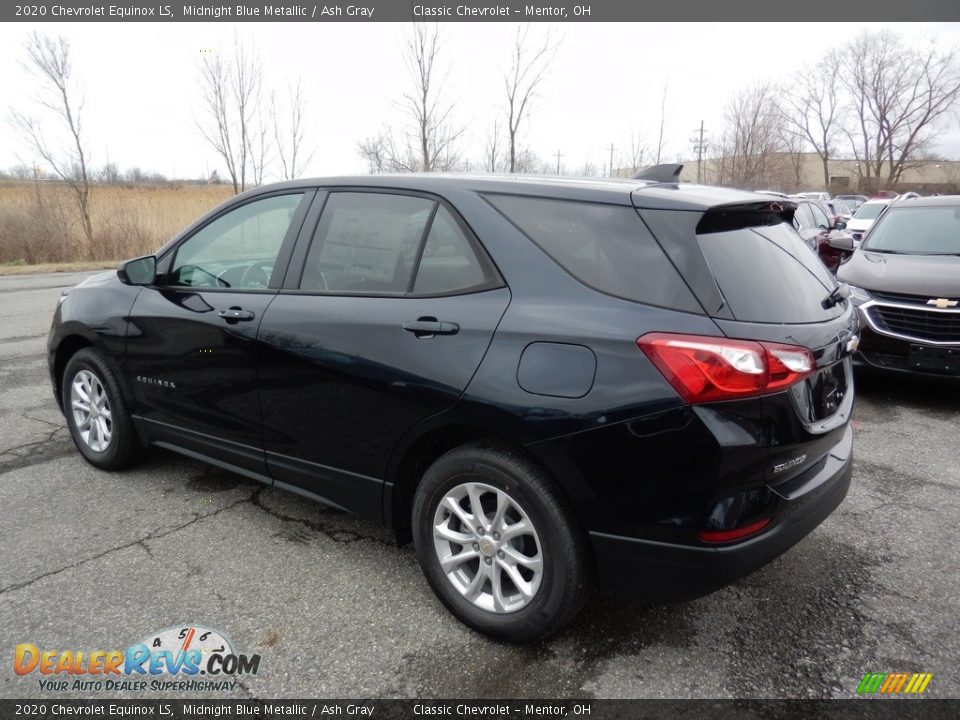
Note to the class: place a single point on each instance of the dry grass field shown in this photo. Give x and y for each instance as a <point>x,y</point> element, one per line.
<point>39,221</point>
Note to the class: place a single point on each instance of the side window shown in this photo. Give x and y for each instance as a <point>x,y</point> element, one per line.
<point>606,247</point>
<point>366,243</point>
<point>448,262</point>
<point>803,216</point>
<point>819,217</point>
<point>237,250</point>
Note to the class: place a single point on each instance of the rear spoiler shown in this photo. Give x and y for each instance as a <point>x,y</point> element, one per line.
<point>723,218</point>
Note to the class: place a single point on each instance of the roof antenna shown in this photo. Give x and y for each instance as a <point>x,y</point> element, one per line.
<point>666,173</point>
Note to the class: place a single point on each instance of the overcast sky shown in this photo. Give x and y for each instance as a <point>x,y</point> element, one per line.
<point>139,82</point>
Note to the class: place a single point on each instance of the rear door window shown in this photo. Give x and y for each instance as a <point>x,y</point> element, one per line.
<point>366,243</point>
<point>606,247</point>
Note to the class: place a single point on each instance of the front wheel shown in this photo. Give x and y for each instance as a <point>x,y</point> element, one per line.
<point>97,414</point>
<point>498,544</point>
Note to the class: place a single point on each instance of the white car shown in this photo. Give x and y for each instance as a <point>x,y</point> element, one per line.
<point>864,218</point>
<point>814,195</point>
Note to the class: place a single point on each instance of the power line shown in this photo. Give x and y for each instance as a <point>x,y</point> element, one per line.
<point>699,147</point>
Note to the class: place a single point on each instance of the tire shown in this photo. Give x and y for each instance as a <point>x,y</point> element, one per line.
<point>538,604</point>
<point>113,444</point>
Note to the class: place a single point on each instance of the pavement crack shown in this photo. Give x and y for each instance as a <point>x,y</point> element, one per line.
<point>45,422</point>
<point>50,447</point>
<point>338,536</point>
<point>139,542</point>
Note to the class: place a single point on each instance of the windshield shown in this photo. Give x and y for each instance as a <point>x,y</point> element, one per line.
<point>917,231</point>
<point>870,211</point>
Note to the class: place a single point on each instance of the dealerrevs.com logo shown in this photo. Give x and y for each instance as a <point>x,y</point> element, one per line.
<point>188,657</point>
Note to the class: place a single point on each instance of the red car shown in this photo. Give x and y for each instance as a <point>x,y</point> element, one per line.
<point>816,225</point>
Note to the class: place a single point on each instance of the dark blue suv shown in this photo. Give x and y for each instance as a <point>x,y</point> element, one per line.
<point>547,384</point>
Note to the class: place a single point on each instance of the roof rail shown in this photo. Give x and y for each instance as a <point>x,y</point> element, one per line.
<point>666,173</point>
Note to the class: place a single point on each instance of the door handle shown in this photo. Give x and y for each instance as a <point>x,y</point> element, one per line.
<point>235,314</point>
<point>430,326</point>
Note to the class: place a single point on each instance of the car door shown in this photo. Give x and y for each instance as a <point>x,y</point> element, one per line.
<point>191,338</point>
<point>391,315</point>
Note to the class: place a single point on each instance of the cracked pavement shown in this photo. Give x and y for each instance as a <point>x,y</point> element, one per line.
<point>96,561</point>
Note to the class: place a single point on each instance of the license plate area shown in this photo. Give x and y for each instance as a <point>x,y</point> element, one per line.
<point>925,358</point>
<point>824,400</point>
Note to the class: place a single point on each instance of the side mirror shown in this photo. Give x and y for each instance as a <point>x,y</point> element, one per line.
<point>841,225</point>
<point>139,271</point>
<point>841,242</point>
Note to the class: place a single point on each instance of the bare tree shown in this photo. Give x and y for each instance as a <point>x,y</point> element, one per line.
<point>230,97</point>
<point>375,151</point>
<point>813,108</point>
<point>431,143</point>
<point>751,142</point>
<point>429,136</point>
<point>288,127</point>
<point>898,96</point>
<point>663,122</point>
<point>521,82</point>
<point>637,149</point>
<point>492,160</point>
<point>49,61</point>
<point>261,145</point>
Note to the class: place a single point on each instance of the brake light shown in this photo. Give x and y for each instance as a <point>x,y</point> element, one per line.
<point>704,369</point>
<point>721,536</point>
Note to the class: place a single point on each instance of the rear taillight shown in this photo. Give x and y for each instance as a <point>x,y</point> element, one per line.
<point>722,536</point>
<point>703,368</point>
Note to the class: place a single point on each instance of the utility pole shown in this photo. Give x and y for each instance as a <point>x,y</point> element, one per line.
<point>558,160</point>
<point>611,160</point>
<point>699,147</point>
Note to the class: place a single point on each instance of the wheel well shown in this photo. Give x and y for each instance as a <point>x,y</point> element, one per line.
<point>67,348</point>
<point>423,452</point>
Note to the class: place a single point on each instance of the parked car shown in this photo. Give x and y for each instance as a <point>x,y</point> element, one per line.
<point>815,195</point>
<point>905,282</point>
<point>864,217</point>
<point>774,193</point>
<point>837,211</point>
<point>853,201</point>
<point>544,383</point>
<point>816,226</point>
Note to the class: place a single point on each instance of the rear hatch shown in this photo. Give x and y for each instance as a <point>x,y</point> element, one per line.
<point>759,281</point>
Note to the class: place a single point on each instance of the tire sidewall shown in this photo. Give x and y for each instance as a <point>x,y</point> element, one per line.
<point>521,624</point>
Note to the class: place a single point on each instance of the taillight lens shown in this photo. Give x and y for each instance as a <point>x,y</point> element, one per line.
<point>704,369</point>
<point>722,536</point>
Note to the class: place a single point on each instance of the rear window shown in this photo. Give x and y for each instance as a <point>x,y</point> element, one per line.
<point>767,274</point>
<point>606,247</point>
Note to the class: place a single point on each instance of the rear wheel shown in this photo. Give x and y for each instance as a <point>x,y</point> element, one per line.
<point>498,544</point>
<point>97,414</point>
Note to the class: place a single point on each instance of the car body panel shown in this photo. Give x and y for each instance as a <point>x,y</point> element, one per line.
<point>326,394</point>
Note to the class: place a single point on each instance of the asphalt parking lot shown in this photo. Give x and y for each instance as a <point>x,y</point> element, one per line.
<point>92,560</point>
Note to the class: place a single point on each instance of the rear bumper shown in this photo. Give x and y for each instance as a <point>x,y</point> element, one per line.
<point>659,571</point>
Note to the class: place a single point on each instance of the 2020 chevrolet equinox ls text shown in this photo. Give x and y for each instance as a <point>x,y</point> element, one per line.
<point>546,384</point>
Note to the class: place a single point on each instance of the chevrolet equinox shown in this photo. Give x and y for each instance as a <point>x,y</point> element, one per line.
<point>547,384</point>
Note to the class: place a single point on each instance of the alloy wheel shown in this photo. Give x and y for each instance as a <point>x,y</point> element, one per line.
<point>488,547</point>
<point>91,411</point>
